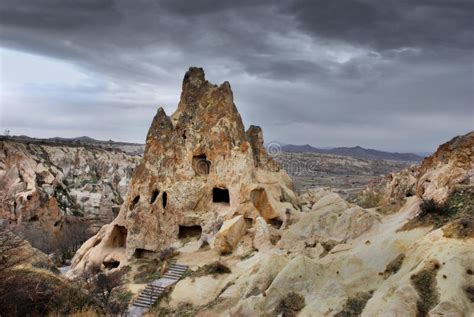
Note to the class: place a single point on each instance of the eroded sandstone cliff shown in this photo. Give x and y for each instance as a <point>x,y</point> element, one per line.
<point>45,187</point>
<point>199,169</point>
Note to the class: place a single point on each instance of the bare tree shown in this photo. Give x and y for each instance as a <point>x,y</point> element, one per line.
<point>12,250</point>
<point>104,288</point>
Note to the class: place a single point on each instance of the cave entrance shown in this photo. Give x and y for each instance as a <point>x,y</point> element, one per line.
<point>144,254</point>
<point>111,264</point>
<point>201,165</point>
<point>189,232</point>
<point>220,195</point>
<point>118,237</point>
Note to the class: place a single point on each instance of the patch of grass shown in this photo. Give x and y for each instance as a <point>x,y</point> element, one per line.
<point>168,253</point>
<point>290,305</point>
<point>425,284</point>
<point>355,305</point>
<point>214,269</point>
<point>147,271</point>
<point>457,214</point>
<point>469,290</point>
<point>370,199</point>
<point>327,246</point>
<point>394,266</point>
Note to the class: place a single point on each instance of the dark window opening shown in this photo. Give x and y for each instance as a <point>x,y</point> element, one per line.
<point>118,237</point>
<point>184,135</point>
<point>111,264</point>
<point>220,195</point>
<point>144,254</point>
<point>155,194</point>
<point>134,202</point>
<point>28,197</point>
<point>186,232</point>
<point>164,199</point>
<point>34,218</point>
<point>201,165</point>
<point>248,222</point>
<point>57,223</point>
<point>276,223</point>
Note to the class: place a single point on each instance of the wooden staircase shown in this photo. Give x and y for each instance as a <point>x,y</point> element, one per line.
<point>154,290</point>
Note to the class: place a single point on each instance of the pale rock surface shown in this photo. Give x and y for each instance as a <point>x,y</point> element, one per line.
<point>197,291</point>
<point>229,234</point>
<point>262,238</point>
<point>331,217</point>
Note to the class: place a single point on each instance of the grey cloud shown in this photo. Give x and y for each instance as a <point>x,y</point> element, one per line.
<point>316,64</point>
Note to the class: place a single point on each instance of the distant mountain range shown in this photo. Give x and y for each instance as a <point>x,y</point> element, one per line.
<point>355,151</point>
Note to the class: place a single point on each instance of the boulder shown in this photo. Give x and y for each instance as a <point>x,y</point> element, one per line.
<point>229,234</point>
<point>262,238</point>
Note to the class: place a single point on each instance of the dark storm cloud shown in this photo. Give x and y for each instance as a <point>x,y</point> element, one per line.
<point>389,24</point>
<point>364,71</point>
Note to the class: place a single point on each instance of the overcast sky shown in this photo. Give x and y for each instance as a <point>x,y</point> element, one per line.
<point>393,75</point>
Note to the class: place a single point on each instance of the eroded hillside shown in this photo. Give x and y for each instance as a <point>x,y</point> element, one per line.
<point>206,195</point>
<point>47,189</point>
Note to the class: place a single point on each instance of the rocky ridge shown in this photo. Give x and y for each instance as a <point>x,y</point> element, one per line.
<point>44,186</point>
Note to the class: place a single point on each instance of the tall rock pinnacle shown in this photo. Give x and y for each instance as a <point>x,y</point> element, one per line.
<point>199,168</point>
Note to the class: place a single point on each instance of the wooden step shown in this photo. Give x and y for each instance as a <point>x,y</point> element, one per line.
<point>141,305</point>
<point>144,301</point>
<point>151,293</point>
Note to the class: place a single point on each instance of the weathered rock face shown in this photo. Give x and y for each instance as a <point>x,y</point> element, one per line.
<point>42,184</point>
<point>400,185</point>
<point>229,234</point>
<point>344,260</point>
<point>451,167</point>
<point>200,167</point>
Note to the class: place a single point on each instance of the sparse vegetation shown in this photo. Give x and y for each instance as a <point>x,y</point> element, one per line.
<point>290,305</point>
<point>215,268</point>
<point>457,213</point>
<point>354,305</point>
<point>168,253</point>
<point>394,266</point>
<point>425,284</point>
<point>469,290</point>
<point>370,199</point>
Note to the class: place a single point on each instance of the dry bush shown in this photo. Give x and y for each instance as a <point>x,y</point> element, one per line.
<point>290,305</point>
<point>215,268</point>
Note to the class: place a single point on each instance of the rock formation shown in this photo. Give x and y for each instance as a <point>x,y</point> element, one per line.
<point>346,261</point>
<point>200,168</point>
<point>451,167</point>
<point>41,184</point>
<point>309,255</point>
